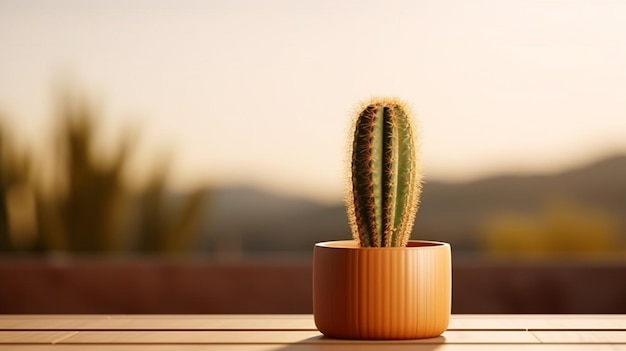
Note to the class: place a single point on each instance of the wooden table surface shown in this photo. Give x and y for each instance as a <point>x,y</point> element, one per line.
<point>298,333</point>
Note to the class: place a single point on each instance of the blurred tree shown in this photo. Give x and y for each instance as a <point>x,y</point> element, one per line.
<point>87,212</point>
<point>14,175</point>
<point>88,207</point>
<point>560,228</point>
<point>163,226</point>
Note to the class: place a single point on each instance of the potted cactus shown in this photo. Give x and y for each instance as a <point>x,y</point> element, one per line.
<point>381,285</point>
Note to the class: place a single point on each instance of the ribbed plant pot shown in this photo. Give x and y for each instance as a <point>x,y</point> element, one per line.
<point>382,293</point>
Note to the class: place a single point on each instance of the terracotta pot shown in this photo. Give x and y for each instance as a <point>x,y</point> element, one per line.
<point>382,293</point>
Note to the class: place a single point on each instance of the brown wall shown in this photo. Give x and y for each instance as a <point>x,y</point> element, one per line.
<point>157,286</point>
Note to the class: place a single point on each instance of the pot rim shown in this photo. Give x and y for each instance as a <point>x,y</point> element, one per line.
<point>353,245</point>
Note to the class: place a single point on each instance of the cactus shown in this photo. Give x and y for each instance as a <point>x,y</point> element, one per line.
<point>384,187</point>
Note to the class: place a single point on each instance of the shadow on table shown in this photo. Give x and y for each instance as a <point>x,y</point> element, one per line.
<point>321,343</point>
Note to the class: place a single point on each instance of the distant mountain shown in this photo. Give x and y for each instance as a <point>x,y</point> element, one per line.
<point>245,220</point>
<point>455,211</point>
<point>251,220</point>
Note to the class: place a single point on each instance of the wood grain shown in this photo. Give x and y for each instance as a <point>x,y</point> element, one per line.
<point>593,337</point>
<point>292,337</point>
<point>39,337</point>
<point>325,347</point>
<point>158,323</point>
<point>298,333</point>
<point>294,322</point>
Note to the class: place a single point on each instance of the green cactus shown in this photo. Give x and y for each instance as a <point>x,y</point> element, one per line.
<point>384,186</point>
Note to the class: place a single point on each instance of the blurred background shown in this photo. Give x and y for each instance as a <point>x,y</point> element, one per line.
<point>184,157</point>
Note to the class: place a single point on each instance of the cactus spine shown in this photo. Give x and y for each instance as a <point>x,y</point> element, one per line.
<point>384,185</point>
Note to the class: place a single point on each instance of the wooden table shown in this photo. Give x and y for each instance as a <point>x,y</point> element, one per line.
<point>298,333</point>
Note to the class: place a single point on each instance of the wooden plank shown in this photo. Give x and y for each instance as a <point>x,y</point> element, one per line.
<point>295,322</point>
<point>39,337</point>
<point>210,316</point>
<point>586,323</point>
<point>276,337</point>
<point>323,347</point>
<point>53,316</point>
<point>155,316</point>
<point>599,337</point>
<point>159,323</point>
<point>297,333</point>
<point>190,337</point>
<point>538,322</point>
<point>458,322</point>
<point>488,337</point>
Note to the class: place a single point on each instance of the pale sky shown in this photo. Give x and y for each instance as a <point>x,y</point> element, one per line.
<point>261,92</point>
